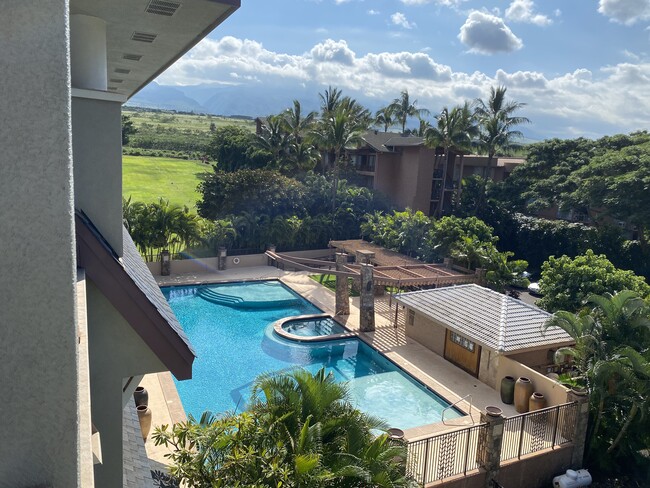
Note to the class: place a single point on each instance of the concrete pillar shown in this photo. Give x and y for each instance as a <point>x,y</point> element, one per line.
<point>221,258</point>
<point>342,293</point>
<point>269,261</point>
<point>448,262</point>
<point>165,263</point>
<point>367,300</point>
<point>88,62</point>
<point>489,444</point>
<point>480,275</point>
<point>580,433</point>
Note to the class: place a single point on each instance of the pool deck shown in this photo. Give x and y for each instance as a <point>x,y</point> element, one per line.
<point>447,380</point>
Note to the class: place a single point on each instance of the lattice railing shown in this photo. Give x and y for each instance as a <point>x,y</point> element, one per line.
<point>444,455</point>
<point>547,428</point>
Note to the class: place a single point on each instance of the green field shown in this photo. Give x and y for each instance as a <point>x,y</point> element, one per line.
<point>147,179</point>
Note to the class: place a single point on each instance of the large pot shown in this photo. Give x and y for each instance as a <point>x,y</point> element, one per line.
<point>508,390</point>
<point>536,401</point>
<point>523,391</point>
<point>141,396</point>
<point>144,416</point>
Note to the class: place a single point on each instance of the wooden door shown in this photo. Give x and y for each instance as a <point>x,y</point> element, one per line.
<point>462,352</point>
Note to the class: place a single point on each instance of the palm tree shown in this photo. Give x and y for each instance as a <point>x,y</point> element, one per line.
<point>275,139</point>
<point>329,100</point>
<point>295,123</point>
<point>497,133</point>
<point>337,131</point>
<point>403,108</point>
<point>384,117</point>
<point>454,132</point>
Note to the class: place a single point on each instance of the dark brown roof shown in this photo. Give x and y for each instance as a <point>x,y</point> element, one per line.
<point>127,283</point>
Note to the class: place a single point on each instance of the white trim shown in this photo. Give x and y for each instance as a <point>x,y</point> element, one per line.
<point>235,260</point>
<point>98,95</point>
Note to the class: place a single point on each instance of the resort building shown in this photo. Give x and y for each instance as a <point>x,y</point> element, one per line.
<point>416,176</point>
<point>82,317</point>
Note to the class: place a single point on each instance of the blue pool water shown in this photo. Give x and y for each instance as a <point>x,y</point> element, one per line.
<point>235,345</point>
<point>313,327</point>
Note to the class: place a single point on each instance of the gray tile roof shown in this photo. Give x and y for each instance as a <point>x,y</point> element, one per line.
<point>404,141</point>
<point>492,319</point>
<point>376,139</point>
<point>137,270</point>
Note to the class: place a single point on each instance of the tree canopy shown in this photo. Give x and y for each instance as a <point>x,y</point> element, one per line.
<point>566,283</point>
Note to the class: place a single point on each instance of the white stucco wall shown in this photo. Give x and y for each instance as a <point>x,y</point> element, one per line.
<point>97,153</point>
<point>116,352</point>
<point>38,350</point>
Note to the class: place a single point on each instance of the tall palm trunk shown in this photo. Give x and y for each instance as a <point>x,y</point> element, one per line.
<point>441,202</point>
<point>481,196</point>
<point>626,425</point>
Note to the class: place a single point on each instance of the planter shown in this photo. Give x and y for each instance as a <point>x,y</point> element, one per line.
<point>493,411</point>
<point>141,396</point>
<point>508,390</point>
<point>523,390</point>
<point>144,416</point>
<point>536,401</point>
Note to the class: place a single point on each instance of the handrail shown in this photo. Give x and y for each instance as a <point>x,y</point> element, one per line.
<point>455,403</point>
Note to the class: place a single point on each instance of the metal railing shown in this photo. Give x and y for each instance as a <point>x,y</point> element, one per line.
<point>444,455</point>
<point>530,432</point>
<point>469,395</point>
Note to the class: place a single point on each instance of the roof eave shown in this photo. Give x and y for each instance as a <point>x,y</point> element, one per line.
<point>129,300</point>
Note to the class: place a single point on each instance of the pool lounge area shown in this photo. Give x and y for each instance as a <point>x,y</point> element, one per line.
<point>452,383</point>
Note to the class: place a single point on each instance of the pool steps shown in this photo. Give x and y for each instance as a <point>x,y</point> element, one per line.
<point>238,302</point>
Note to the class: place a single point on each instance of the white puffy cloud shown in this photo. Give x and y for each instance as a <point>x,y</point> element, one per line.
<point>523,11</point>
<point>333,52</point>
<point>398,18</point>
<point>485,33</point>
<point>373,12</point>
<point>610,100</point>
<point>626,12</point>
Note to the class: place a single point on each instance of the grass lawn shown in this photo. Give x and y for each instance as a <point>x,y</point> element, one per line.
<point>146,179</point>
<point>329,281</point>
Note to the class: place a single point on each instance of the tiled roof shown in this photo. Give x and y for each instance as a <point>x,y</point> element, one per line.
<point>128,284</point>
<point>404,141</point>
<point>137,270</point>
<point>492,319</point>
<point>376,139</point>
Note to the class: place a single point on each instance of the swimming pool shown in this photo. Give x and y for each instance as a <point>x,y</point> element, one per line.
<point>235,345</point>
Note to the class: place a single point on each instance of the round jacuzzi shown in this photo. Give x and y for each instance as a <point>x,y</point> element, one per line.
<point>311,328</point>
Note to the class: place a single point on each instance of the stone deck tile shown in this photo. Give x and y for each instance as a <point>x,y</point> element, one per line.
<point>136,466</point>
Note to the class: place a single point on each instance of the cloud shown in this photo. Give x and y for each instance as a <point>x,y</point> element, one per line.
<point>484,33</point>
<point>398,18</point>
<point>333,52</point>
<point>626,12</point>
<point>523,11</point>
<point>373,12</point>
<point>609,100</point>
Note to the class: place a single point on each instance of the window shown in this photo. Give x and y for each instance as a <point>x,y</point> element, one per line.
<point>462,341</point>
<point>411,317</point>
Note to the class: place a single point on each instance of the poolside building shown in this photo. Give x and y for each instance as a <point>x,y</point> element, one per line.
<point>82,319</point>
<point>480,330</point>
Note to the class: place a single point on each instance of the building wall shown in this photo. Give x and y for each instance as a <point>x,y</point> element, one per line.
<point>38,350</point>
<point>97,152</point>
<point>488,366</point>
<point>386,173</point>
<point>428,333</point>
<point>116,352</point>
<point>554,392</point>
<point>422,197</point>
<point>537,360</point>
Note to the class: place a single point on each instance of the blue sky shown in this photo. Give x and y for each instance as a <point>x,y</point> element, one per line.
<point>581,66</point>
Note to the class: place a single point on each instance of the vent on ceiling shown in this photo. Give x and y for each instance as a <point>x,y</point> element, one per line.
<point>162,7</point>
<point>143,37</point>
<point>122,71</point>
<point>116,80</point>
<point>132,57</point>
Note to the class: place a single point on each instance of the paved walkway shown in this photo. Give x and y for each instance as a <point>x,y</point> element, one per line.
<point>434,371</point>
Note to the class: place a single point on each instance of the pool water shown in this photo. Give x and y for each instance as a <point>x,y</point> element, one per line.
<point>234,346</point>
<point>313,327</point>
